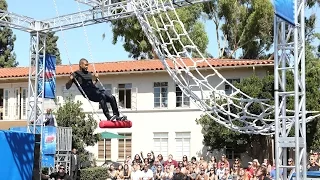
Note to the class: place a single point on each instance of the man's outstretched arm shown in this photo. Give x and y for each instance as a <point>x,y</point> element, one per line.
<point>70,81</point>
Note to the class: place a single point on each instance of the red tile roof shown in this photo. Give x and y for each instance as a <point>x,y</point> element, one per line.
<point>131,66</point>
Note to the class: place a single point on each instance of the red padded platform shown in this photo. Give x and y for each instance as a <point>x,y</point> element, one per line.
<point>115,124</point>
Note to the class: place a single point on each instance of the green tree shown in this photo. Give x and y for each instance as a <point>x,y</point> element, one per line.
<point>218,137</point>
<point>136,43</point>
<point>51,46</point>
<point>248,26</point>
<point>83,126</point>
<point>7,56</point>
<point>245,25</point>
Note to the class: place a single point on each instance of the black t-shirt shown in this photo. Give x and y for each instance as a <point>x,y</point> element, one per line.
<point>314,168</point>
<point>179,176</point>
<point>57,176</point>
<point>84,79</point>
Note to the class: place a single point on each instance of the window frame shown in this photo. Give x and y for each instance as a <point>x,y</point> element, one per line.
<point>6,97</point>
<point>183,136</point>
<point>164,151</point>
<point>227,87</point>
<point>161,98</point>
<point>24,99</point>
<point>127,86</point>
<point>183,98</point>
<point>231,153</point>
<point>106,151</point>
<point>125,150</point>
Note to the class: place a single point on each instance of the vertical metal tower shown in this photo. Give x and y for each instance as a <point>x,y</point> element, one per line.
<point>289,60</point>
<point>36,86</point>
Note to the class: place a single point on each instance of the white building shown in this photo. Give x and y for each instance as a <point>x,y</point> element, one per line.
<point>163,124</point>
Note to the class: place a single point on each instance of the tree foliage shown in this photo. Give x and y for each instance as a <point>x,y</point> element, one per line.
<point>218,137</point>
<point>52,47</point>
<point>83,126</point>
<point>246,25</point>
<point>137,44</point>
<point>7,39</point>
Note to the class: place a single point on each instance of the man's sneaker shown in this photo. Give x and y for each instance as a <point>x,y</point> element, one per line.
<point>123,118</point>
<point>114,118</point>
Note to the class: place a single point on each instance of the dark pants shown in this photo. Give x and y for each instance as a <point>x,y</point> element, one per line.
<point>106,97</point>
<point>74,175</point>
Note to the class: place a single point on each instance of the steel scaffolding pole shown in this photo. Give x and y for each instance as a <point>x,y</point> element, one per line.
<point>110,11</point>
<point>92,3</point>
<point>289,60</point>
<point>36,86</point>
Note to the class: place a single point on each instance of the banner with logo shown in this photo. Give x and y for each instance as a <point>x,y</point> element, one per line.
<point>285,10</point>
<point>49,89</point>
<point>49,140</point>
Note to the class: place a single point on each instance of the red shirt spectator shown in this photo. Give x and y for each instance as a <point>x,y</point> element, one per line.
<point>170,162</point>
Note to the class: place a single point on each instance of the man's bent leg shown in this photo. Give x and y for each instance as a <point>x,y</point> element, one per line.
<point>103,104</point>
<point>113,102</point>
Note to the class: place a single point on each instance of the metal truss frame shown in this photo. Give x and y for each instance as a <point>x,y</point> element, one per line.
<point>36,86</point>
<point>98,14</point>
<point>290,61</point>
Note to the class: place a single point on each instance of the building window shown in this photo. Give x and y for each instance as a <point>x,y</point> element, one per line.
<point>227,88</point>
<point>24,102</point>
<point>160,143</point>
<point>232,153</point>
<point>104,149</point>
<point>124,146</point>
<point>160,94</point>
<point>124,93</point>
<point>181,99</point>
<point>17,102</point>
<point>182,144</point>
<point>6,102</point>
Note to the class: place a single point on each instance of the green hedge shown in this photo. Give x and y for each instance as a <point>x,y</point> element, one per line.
<point>94,173</point>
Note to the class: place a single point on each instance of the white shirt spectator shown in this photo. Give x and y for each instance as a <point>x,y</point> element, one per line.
<point>146,175</point>
<point>220,173</point>
<point>135,175</point>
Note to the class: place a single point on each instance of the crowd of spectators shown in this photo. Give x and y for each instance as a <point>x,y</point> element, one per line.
<point>157,168</point>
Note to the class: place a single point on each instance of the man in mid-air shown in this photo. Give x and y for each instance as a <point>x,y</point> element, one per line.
<point>83,80</point>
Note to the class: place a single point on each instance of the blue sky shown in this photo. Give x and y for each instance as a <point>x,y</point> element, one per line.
<point>102,50</point>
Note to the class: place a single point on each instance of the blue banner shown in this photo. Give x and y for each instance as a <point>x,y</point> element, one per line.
<point>49,87</point>
<point>285,10</point>
<point>49,142</point>
<point>47,160</point>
